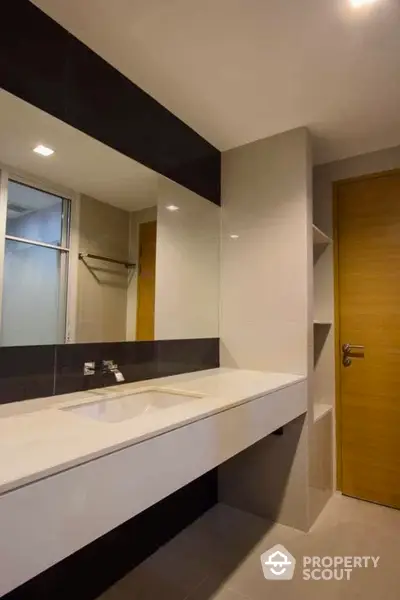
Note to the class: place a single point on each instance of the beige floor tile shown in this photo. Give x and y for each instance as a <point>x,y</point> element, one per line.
<point>213,589</point>
<point>225,536</point>
<point>218,557</point>
<point>339,535</point>
<point>342,509</point>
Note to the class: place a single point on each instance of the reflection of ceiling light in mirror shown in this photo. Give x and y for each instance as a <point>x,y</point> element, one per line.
<point>172,207</point>
<point>357,3</point>
<point>43,150</point>
<point>234,236</point>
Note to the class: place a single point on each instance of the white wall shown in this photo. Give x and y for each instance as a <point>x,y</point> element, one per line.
<point>135,219</point>
<point>187,265</point>
<point>265,273</point>
<point>266,309</point>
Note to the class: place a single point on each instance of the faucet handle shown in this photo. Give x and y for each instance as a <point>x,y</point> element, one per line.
<point>89,368</point>
<point>108,366</point>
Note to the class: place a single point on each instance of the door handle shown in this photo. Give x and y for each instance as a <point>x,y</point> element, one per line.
<point>346,348</point>
<point>347,356</point>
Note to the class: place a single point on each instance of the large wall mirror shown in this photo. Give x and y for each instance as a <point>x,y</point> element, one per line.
<point>95,247</point>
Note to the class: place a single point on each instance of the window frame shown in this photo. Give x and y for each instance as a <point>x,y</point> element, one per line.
<point>68,253</point>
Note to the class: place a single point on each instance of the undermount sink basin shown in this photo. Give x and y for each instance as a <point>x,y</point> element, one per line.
<point>127,406</point>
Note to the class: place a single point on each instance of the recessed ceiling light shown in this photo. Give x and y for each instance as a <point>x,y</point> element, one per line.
<point>43,150</point>
<point>357,3</point>
<point>234,236</point>
<point>172,207</point>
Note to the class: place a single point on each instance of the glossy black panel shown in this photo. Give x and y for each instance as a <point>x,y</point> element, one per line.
<point>107,106</point>
<point>26,372</point>
<point>48,67</point>
<point>90,571</point>
<point>137,361</point>
<point>184,356</point>
<point>33,57</point>
<point>36,371</point>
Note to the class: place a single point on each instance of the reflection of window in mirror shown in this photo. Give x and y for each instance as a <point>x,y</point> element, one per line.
<point>35,268</point>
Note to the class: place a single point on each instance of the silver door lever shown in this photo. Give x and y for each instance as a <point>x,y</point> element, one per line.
<point>346,348</point>
<point>347,355</point>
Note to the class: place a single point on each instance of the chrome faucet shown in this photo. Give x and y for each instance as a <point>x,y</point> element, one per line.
<point>89,368</point>
<point>110,367</point>
<point>107,367</point>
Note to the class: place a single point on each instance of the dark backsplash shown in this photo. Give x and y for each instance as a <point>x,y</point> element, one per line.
<point>28,372</point>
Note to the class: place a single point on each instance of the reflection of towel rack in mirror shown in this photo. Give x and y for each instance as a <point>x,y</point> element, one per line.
<point>128,265</point>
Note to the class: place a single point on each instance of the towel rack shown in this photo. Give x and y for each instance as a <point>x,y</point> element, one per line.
<point>128,265</point>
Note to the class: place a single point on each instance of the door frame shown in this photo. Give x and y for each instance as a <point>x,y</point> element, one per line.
<point>338,355</point>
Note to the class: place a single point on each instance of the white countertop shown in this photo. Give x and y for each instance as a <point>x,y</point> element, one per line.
<point>37,439</point>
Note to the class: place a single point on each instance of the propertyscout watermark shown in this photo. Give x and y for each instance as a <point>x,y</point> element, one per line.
<point>278,564</point>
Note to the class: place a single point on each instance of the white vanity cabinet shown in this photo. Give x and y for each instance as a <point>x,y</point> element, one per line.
<point>45,521</point>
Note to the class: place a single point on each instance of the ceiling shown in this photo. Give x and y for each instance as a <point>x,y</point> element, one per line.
<point>79,163</point>
<point>241,70</point>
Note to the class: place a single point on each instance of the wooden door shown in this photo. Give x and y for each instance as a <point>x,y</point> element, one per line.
<point>146,281</point>
<point>368,298</point>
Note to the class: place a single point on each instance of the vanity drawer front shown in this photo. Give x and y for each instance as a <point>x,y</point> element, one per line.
<point>243,426</point>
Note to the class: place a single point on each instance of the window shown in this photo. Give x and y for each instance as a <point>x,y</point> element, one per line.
<point>35,268</point>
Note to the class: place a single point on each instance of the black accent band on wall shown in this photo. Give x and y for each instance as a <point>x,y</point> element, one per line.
<point>89,572</point>
<point>28,372</point>
<point>42,63</point>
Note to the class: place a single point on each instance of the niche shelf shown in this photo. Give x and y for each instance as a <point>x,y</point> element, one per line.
<point>322,322</point>
<point>321,332</point>
<point>319,237</point>
<point>320,410</point>
<point>321,242</point>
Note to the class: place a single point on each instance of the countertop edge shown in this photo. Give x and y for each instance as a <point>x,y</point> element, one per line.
<point>40,475</point>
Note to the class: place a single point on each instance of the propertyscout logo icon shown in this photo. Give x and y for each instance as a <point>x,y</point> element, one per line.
<point>277,563</point>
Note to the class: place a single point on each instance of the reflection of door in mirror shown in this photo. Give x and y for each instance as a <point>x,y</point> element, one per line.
<point>146,281</point>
